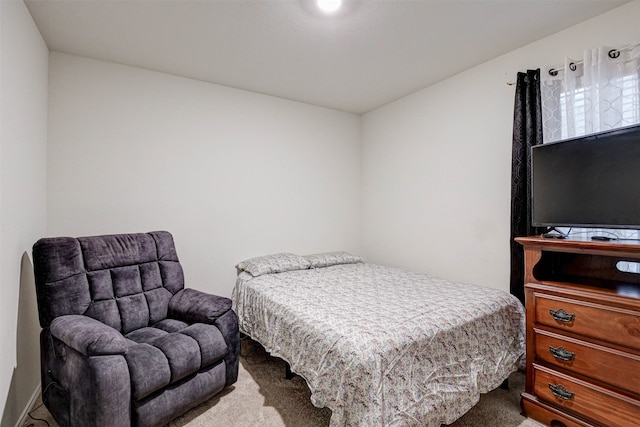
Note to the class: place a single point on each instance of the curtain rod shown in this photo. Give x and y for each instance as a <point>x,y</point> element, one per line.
<point>613,54</point>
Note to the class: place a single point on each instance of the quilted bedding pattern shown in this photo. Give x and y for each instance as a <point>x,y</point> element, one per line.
<point>381,346</point>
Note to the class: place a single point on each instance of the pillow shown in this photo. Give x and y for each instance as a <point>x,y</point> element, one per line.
<point>327,259</point>
<point>276,263</point>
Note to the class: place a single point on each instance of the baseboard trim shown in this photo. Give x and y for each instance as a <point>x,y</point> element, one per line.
<point>25,411</point>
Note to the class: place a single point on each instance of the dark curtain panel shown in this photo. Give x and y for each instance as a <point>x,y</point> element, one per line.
<point>527,132</point>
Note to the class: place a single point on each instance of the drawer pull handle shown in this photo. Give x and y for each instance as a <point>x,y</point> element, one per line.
<point>562,316</point>
<point>561,392</point>
<point>562,353</point>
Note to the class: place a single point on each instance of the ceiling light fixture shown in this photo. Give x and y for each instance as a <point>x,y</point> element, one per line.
<point>329,6</point>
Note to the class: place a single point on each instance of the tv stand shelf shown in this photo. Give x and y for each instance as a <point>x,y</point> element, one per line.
<point>583,333</point>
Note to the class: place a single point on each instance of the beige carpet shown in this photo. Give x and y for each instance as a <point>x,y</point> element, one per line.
<point>263,397</point>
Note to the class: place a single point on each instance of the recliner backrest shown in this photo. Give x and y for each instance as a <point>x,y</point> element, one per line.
<point>122,280</point>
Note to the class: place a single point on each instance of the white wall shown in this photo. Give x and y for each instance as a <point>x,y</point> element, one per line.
<point>437,164</point>
<point>23,136</point>
<point>232,174</point>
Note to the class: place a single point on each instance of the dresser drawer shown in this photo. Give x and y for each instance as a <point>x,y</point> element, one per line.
<point>548,415</point>
<point>606,323</point>
<point>620,369</point>
<point>579,397</point>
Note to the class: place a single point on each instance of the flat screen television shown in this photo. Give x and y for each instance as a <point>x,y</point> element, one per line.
<point>590,181</point>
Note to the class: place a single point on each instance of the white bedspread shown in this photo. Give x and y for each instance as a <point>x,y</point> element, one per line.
<point>381,346</point>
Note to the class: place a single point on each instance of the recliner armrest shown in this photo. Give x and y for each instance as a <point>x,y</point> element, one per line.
<point>88,336</point>
<point>193,306</point>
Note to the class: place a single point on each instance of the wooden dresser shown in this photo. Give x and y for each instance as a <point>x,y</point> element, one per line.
<point>583,333</point>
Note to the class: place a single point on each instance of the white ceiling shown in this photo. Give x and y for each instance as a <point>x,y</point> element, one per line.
<point>370,53</point>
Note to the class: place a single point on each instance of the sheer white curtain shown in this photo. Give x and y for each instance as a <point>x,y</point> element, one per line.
<point>599,92</point>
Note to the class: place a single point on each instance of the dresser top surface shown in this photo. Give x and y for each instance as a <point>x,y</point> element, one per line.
<point>629,248</point>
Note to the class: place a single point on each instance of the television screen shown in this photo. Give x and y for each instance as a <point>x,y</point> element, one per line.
<point>591,181</point>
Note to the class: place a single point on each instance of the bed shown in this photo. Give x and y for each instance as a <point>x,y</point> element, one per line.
<point>377,345</point>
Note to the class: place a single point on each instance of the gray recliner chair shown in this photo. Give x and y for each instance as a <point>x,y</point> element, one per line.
<point>123,342</point>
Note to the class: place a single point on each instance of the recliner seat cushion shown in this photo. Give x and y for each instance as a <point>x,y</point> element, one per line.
<point>169,351</point>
